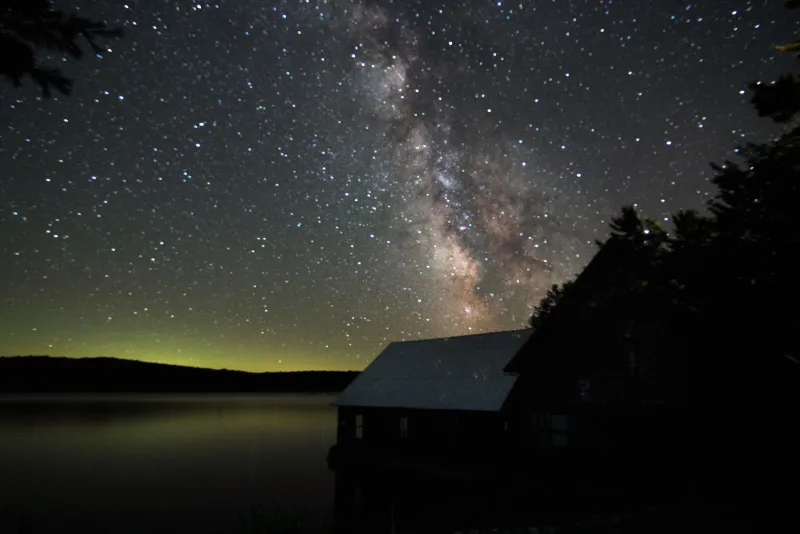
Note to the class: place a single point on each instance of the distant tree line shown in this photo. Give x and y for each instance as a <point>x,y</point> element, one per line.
<point>44,374</point>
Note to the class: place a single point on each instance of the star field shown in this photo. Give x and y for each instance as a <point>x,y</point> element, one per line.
<point>292,185</point>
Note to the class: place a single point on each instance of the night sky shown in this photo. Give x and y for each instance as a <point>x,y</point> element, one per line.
<point>292,185</point>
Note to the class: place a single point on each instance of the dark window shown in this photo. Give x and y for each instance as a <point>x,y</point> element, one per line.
<point>583,389</point>
<point>358,499</point>
<point>558,430</point>
<point>359,426</point>
<point>403,426</point>
<point>558,422</point>
<point>539,421</point>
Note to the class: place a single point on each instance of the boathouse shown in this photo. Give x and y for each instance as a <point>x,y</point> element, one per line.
<point>432,395</point>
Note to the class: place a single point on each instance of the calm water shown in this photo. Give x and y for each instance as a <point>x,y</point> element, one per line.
<point>176,463</point>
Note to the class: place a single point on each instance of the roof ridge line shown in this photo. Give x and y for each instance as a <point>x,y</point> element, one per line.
<point>519,330</point>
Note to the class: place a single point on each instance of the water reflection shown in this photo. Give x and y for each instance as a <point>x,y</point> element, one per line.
<point>166,463</point>
<point>222,464</point>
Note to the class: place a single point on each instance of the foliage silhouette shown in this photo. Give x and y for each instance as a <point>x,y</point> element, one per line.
<point>28,27</point>
<point>548,304</point>
<point>709,309</point>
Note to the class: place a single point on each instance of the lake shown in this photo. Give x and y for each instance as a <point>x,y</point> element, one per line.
<point>212,464</point>
<point>166,463</point>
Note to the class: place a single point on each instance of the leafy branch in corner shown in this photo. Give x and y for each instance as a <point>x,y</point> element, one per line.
<point>29,27</point>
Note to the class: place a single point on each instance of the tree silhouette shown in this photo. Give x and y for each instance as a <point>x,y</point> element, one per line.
<point>547,304</point>
<point>780,100</point>
<point>710,309</point>
<point>31,26</point>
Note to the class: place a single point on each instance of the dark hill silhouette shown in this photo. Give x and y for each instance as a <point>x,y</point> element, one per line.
<point>45,374</point>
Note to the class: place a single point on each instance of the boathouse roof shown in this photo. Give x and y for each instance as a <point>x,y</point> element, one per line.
<point>451,373</point>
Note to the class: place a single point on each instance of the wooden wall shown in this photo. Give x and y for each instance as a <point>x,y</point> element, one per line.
<point>429,429</point>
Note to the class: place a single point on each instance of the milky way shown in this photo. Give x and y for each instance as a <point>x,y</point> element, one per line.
<point>475,218</point>
<point>292,185</point>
